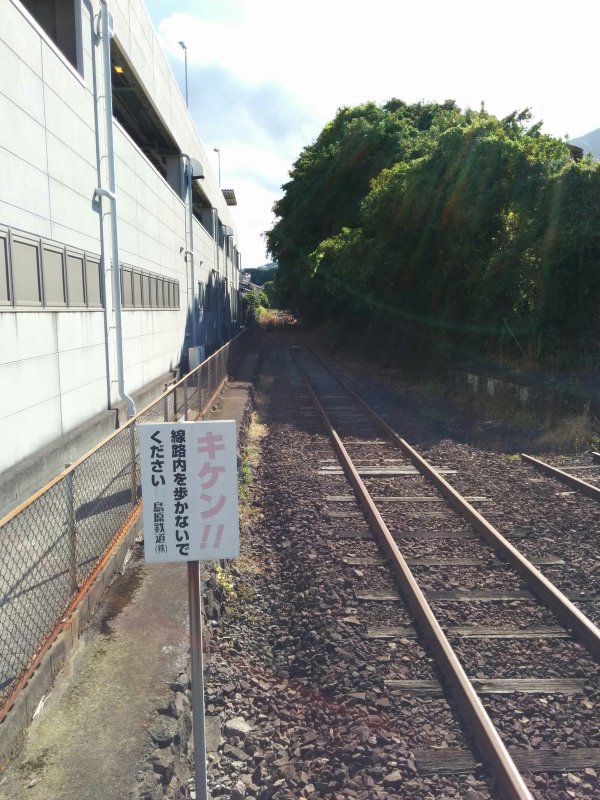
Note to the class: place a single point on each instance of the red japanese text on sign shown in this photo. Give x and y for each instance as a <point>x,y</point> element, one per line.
<point>189,491</point>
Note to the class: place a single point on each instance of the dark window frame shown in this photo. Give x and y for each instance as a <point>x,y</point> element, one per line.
<point>140,289</point>
<point>76,255</point>
<point>49,247</point>
<point>147,289</point>
<point>126,286</point>
<point>5,244</point>
<point>23,238</point>
<point>137,288</point>
<point>89,261</point>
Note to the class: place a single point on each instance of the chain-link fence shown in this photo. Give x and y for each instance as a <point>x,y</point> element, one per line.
<point>52,543</point>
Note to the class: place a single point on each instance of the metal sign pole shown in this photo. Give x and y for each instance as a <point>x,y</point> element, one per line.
<point>189,486</point>
<point>195,599</point>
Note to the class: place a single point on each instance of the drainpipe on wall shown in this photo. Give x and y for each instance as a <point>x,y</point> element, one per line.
<point>95,22</point>
<point>219,283</point>
<point>190,250</point>
<point>106,35</point>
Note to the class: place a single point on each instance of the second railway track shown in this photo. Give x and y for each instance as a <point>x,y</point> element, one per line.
<point>518,653</point>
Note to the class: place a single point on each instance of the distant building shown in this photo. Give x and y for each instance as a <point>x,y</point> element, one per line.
<point>60,342</point>
<point>575,152</point>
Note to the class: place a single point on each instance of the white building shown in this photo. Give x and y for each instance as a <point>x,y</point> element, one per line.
<point>62,336</point>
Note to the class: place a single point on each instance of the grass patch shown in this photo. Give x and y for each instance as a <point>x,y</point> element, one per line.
<point>575,432</point>
<point>269,318</point>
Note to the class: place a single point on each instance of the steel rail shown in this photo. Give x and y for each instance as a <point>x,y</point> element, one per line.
<point>487,741</point>
<point>566,611</point>
<point>561,475</point>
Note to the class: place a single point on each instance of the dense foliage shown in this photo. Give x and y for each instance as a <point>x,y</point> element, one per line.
<point>480,232</point>
<point>260,275</point>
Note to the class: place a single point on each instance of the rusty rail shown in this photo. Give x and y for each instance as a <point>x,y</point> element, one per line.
<point>566,611</point>
<point>489,744</point>
<point>554,472</point>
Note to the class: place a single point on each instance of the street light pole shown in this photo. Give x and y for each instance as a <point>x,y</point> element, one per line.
<point>218,152</point>
<point>184,48</point>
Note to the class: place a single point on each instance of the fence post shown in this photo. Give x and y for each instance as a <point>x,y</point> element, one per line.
<point>175,404</point>
<point>198,371</point>
<point>72,531</point>
<point>185,400</point>
<point>133,465</point>
<point>166,408</point>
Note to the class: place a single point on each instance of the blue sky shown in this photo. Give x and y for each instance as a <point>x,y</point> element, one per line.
<point>264,76</point>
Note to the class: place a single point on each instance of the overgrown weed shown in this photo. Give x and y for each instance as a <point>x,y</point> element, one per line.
<point>574,432</point>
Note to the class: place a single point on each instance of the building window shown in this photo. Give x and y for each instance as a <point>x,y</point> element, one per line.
<point>38,272</point>
<point>154,291</point>
<point>61,20</point>
<point>26,272</point>
<point>147,290</point>
<point>53,268</point>
<point>126,288</point>
<point>5,298</point>
<point>75,279</point>
<point>138,300</point>
<point>93,283</point>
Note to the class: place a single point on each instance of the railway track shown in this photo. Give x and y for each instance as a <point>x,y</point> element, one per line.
<point>563,474</point>
<point>507,644</point>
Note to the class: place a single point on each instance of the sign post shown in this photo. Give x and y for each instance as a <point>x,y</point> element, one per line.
<point>197,679</point>
<point>189,489</point>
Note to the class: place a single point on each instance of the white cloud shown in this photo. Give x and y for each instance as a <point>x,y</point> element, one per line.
<point>281,70</point>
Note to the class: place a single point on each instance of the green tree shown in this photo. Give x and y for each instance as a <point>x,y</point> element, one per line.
<point>453,221</point>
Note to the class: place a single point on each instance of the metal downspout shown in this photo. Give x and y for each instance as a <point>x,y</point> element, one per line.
<point>96,36</point>
<point>190,250</point>
<point>219,282</point>
<point>106,34</point>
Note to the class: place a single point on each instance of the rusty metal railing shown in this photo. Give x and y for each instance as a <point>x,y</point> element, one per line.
<point>53,543</point>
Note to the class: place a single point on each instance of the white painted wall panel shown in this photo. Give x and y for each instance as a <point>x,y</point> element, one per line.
<point>79,329</point>
<point>128,242</point>
<point>125,177</point>
<point>80,367</point>
<point>23,185</point>
<point>26,336</point>
<point>77,239</point>
<point>22,135</point>
<point>142,39</point>
<point>24,434</point>
<point>66,166</point>
<point>74,210</point>
<point>51,111</point>
<point>20,35</point>
<point>16,217</point>
<point>120,12</point>
<point>19,391</point>
<point>62,77</point>
<point>66,124</point>
<point>20,83</point>
<point>77,405</point>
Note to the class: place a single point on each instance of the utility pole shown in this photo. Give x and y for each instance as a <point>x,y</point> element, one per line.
<point>218,152</point>
<point>184,48</point>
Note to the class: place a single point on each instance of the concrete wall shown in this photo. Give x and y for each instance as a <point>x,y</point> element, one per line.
<point>58,366</point>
